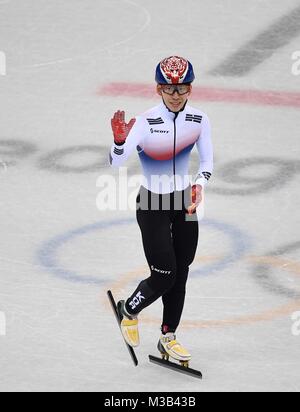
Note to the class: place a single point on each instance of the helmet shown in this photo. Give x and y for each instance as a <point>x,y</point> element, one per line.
<point>174,70</point>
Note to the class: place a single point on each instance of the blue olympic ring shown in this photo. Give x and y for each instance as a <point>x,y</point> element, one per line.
<point>47,254</point>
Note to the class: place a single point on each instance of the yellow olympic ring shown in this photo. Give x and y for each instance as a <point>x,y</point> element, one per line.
<point>268,315</point>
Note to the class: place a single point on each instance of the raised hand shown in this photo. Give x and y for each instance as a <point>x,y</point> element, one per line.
<point>120,128</point>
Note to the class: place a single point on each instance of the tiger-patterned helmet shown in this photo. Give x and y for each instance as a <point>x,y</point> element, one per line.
<point>174,70</point>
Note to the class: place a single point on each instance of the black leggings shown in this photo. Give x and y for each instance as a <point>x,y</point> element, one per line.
<point>170,239</point>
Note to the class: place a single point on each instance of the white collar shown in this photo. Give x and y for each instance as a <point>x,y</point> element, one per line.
<point>167,113</point>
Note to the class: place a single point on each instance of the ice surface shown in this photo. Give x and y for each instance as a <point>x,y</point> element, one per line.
<point>59,254</point>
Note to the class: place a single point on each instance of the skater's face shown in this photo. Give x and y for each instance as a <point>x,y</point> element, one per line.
<point>176,97</point>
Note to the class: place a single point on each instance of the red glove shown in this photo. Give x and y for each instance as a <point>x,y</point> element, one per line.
<point>120,128</point>
<point>196,198</point>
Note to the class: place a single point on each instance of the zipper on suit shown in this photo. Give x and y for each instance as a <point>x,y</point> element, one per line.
<point>174,153</point>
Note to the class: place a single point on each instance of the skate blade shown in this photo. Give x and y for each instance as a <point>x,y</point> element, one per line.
<point>115,310</point>
<point>176,367</point>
